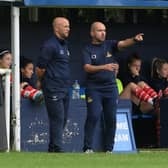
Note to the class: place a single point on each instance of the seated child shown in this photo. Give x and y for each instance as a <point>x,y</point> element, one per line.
<point>28,90</point>
<point>139,92</point>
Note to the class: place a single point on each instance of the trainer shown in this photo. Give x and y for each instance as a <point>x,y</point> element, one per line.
<point>101,89</point>
<point>53,71</point>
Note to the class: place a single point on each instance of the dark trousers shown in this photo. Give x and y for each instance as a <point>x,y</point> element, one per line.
<point>98,102</point>
<point>57,105</point>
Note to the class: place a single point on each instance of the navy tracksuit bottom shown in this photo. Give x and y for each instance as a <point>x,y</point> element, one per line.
<point>98,102</point>
<point>57,104</point>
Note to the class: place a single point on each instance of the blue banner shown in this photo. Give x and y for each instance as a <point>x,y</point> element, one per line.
<point>99,3</point>
<point>124,140</point>
<point>35,128</point>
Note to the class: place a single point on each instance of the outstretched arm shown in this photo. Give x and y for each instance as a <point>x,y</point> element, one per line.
<point>130,41</point>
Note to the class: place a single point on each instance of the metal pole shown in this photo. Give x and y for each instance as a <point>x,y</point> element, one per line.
<point>7,73</point>
<point>15,35</point>
<point>7,107</point>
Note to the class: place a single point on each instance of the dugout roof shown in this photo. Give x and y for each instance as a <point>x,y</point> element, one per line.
<point>99,3</point>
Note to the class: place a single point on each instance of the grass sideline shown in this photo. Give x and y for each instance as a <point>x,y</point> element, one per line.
<point>142,159</point>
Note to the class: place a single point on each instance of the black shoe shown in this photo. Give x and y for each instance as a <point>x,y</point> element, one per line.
<point>55,149</point>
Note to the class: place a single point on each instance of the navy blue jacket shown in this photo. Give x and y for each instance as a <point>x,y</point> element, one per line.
<point>54,59</point>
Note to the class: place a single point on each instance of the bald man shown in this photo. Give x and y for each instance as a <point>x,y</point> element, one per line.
<point>53,71</point>
<point>101,90</point>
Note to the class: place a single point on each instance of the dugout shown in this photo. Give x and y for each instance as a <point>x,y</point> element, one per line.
<point>29,25</point>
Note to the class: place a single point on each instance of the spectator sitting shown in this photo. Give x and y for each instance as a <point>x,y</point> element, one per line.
<point>27,87</point>
<point>159,76</point>
<point>134,67</point>
<point>137,89</point>
<point>5,61</point>
<point>160,84</point>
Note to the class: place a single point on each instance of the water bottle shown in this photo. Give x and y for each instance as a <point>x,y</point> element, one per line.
<point>76,90</point>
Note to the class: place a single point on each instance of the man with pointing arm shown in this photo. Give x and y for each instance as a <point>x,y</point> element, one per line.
<point>101,89</point>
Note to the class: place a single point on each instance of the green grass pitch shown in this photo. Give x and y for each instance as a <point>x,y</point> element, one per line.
<point>142,159</point>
